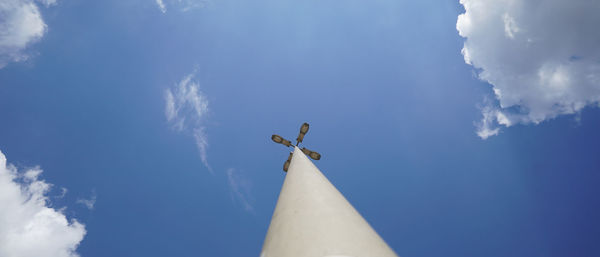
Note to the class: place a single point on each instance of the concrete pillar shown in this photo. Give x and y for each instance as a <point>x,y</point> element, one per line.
<point>313,219</point>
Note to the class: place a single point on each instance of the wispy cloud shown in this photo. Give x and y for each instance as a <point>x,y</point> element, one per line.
<point>30,227</point>
<point>541,60</point>
<point>188,5</point>
<point>186,108</point>
<point>63,192</point>
<point>21,24</point>
<point>492,118</point>
<point>240,187</point>
<point>182,5</point>
<point>202,144</point>
<point>161,6</point>
<point>88,203</point>
<point>486,127</point>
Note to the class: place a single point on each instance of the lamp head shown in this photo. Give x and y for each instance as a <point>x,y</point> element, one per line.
<point>280,140</point>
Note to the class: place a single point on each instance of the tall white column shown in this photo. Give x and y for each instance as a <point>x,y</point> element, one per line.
<point>313,219</point>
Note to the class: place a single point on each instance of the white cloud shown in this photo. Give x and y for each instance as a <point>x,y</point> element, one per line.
<point>161,6</point>
<point>240,187</point>
<point>187,5</point>
<point>47,2</point>
<point>486,127</point>
<point>29,227</point>
<point>182,5</point>
<point>186,108</point>
<point>510,26</point>
<point>202,144</point>
<point>88,203</point>
<point>543,60</point>
<point>63,192</point>
<point>21,25</point>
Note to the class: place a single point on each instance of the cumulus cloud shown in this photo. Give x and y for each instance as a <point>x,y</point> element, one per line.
<point>186,109</point>
<point>182,5</point>
<point>29,227</point>
<point>240,187</point>
<point>21,25</point>
<point>541,58</point>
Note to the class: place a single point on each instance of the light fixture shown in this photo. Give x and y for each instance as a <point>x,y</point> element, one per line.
<point>312,154</point>
<point>287,163</point>
<point>303,131</point>
<point>280,140</point>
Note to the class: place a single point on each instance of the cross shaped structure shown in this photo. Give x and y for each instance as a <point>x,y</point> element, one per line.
<point>280,140</point>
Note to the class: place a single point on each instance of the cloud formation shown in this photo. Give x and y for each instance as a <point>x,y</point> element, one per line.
<point>240,188</point>
<point>88,203</point>
<point>21,25</point>
<point>161,6</point>
<point>542,59</point>
<point>186,109</point>
<point>182,5</point>
<point>29,227</point>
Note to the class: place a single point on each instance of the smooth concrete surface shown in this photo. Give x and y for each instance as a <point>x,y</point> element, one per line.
<point>313,219</point>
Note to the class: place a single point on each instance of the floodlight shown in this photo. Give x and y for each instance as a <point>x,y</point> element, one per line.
<point>303,131</point>
<point>286,165</point>
<point>280,140</point>
<point>311,154</point>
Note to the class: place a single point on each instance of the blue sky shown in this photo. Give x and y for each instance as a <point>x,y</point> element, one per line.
<point>397,110</point>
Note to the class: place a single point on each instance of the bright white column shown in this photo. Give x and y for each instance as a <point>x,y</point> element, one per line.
<point>313,219</point>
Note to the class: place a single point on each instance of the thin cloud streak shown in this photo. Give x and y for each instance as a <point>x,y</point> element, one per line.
<point>161,6</point>
<point>240,187</point>
<point>202,144</point>
<point>182,5</point>
<point>186,108</point>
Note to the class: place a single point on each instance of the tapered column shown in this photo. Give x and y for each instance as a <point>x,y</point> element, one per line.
<point>313,219</point>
